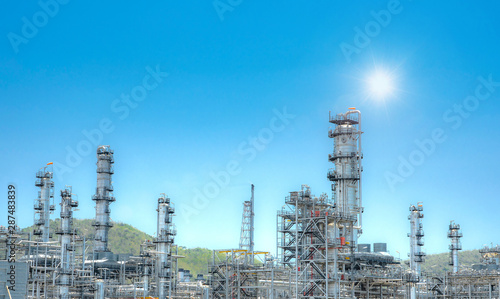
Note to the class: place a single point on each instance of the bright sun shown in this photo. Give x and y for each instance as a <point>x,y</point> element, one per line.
<point>380,84</point>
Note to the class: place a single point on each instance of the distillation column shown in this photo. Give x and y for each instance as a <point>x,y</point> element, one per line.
<point>416,238</point>
<point>164,241</point>
<point>103,197</point>
<point>454,234</point>
<point>66,232</point>
<point>346,195</point>
<point>416,242</point>
<point>147,260</point>
<point>346,175</point>
<point>44,204</point>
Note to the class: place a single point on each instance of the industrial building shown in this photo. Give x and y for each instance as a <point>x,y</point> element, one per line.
<point>317,250</point>
<point>63,264</point>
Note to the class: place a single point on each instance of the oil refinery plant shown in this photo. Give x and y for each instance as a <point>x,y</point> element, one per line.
<point>317,250</point>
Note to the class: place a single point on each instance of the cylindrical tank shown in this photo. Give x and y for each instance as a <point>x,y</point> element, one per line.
<point>379,247</point>
<point>364,247</point>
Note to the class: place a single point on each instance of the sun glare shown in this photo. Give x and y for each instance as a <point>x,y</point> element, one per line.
<point>380,84</point>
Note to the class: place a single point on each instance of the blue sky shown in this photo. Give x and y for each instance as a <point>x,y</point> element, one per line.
<point>227,78</point>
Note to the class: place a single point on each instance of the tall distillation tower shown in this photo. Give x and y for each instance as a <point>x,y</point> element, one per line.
<point>454,234</point>
<point>164,240</point>
<point>44,204</point>
<point>103,197</point>
<point>346,175</point>
<point>67,250</point>
<point>416,242</point>
<point>416,238</point>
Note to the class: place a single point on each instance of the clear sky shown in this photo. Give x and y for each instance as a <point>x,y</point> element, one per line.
<point>78,73</point>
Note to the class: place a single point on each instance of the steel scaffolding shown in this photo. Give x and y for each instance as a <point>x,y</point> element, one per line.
<point>473,284</point>
<point>233,276</point>
<point>304,240</point>
<point>247,224</point>
<point>317,239</point>
<point>322,264</point>
<point>69,268</point>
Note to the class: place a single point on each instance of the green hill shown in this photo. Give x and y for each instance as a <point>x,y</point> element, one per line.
<point>124,238</point>
<point>438,263</point>
<point>196,260</point>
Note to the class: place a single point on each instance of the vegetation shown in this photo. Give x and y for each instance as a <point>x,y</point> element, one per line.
<point>124,238</point>
<point>196,260</point>
<point>439,263</point>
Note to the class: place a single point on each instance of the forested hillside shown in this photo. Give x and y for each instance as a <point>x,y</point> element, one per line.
<point>124,238</point>
<point>438,263</point>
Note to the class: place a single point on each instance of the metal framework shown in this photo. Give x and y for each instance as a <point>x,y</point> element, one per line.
<point>317,238</point>
<point>323,264</point>
<point>490,258</point>
<point>247,224</point>
<point>56,268</point>
<point>304,240</point>
<point>473,284</point>
<point>233,276</point>
<point>70,268</point>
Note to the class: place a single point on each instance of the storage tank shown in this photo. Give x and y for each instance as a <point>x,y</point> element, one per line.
<point>180,274</point>
<point>364,247</point>
<point>379,247</point>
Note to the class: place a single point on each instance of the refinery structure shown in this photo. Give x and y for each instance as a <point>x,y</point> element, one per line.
<point>317,252</point>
